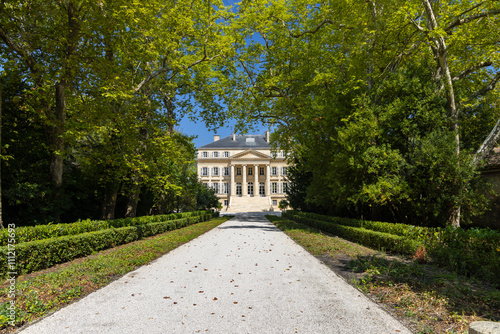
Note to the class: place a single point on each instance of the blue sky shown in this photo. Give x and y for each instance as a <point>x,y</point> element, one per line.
<point>204,136</point>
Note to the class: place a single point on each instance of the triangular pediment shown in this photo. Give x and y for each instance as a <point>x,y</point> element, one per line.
<point>250,154</point>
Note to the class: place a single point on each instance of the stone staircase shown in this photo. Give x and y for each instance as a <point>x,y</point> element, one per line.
<point>249,204</point>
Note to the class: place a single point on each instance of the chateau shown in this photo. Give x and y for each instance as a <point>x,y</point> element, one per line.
<point>244,173</point>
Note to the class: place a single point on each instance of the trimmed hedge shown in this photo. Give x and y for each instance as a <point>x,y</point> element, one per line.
<point>40,232</point>
<point>472,252</point>
<point>417,233</point>
<point>41,254</point>
<point>378,240</point>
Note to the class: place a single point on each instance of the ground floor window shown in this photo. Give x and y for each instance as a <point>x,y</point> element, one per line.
<point>275,202</point>
<point>215,186</point>
<point>238,189</point>
<point>226,189</point>
<point>226,202</point>
<point>262,190</point>
<point>274,188</point>
<point>250,188</point>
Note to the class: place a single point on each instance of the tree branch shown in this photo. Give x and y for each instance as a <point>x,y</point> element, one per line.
<point>490,86</point>
<point>472,69</point>
<point>30,61</point>
<point>459,21</point>
<point>311,31</point>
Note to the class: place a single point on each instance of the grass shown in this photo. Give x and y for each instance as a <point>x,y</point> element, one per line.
<point>43,292</point>
<point>428,299</point>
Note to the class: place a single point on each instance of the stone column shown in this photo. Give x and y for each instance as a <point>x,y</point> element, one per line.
<point>256,183</point>
<point>244,183</point>
<point>232,185</point>
<point>268,180</point>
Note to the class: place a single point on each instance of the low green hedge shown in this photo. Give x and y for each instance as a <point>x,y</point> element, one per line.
<point>471,252</point>
<point>417,233</point>
<point>40,232</point>
<point>378,240</point>
<point>40,254</point>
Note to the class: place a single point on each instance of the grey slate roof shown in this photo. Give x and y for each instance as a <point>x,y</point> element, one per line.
<point>241,142</point>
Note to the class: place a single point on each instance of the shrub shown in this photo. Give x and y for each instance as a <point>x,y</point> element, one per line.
<point>374,239</point>
<point>40,232</point>
<point>40,254</point>
<point>469,252</point>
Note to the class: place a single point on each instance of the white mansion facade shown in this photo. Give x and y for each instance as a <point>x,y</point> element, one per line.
<point>244,173</point>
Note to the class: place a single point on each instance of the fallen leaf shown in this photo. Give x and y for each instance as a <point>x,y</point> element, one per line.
<point>166,297</point>
<point>235,302</point>
<point>215,298</point>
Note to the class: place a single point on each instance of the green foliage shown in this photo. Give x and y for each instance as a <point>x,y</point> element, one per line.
<point>471,252</point>
<point>206,198</point>
<point>377,240</point>
<point>40,254</point>
<point>40,232</point>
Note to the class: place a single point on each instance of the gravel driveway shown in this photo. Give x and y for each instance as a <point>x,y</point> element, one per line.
<point>245,276</point>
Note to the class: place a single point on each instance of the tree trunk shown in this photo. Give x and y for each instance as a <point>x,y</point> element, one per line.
<point>109,203</point>
<point>1,213</point>
<point>133,199</point>
<point>440,53</point>
<point>56,142</point>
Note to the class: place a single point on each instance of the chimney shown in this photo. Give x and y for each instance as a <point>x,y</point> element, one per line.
<point>267,136</point>
<point>234,136</point>
<point>216,137</point>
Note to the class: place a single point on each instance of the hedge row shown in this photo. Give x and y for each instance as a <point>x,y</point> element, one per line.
<point>41,254</point>
<point>416,233</point>
<point>378,240</point>
<point>40,232</point>
<point>472,252</point>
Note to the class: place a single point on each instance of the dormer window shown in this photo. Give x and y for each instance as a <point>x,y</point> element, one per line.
<point>250,140</point>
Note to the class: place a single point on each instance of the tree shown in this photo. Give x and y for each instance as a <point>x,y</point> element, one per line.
<point>315,73</point>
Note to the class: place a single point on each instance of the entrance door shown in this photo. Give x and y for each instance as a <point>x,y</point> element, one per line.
<point>262,190</point>
<point>238,189</point>
<point>250,188</point>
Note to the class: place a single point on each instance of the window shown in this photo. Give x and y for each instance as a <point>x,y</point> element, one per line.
<point>226,154</point>
<point>274,171</point>
<point>274,188</point>
<point>262,190</point>
<point>275,202</point>
<point>226,202</point>
<point>238,189</point>
<point>250,171</point>
<point>261,171</point>
<point>215,154</point>
<point>204,171</point>
<point>226,189</point>
<point>215,187</point>
<point>215,171</point>
<point>238,170</point>
<point>284,171</point>
<point>285,187</point>
<point>250,188</point>
<point>226,171</point>
<point>204,154</point>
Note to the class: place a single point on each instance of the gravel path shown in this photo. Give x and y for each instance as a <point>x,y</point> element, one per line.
<point>246,276</point>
